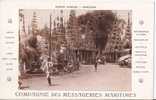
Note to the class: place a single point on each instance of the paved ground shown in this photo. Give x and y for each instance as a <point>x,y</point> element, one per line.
<point>107,77</point>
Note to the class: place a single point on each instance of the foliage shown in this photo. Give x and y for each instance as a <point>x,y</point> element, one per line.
<point>100,22</point>
<point>28,51</point>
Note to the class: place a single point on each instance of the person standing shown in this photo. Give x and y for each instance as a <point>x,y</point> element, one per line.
<point>96,63</point>
<point>47,66</point>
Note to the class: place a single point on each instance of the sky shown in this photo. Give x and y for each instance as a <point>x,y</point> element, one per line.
<point>43,15</point>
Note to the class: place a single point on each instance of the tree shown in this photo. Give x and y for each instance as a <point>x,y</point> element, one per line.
<point>100,22</point>
<point>28,51</point>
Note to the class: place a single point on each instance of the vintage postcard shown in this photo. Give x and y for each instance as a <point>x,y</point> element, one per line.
<point>77,49</point>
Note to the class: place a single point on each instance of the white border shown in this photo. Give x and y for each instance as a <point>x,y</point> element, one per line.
<point>140,10</point>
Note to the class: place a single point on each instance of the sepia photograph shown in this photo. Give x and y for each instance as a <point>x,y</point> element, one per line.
<point>75,49</point>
